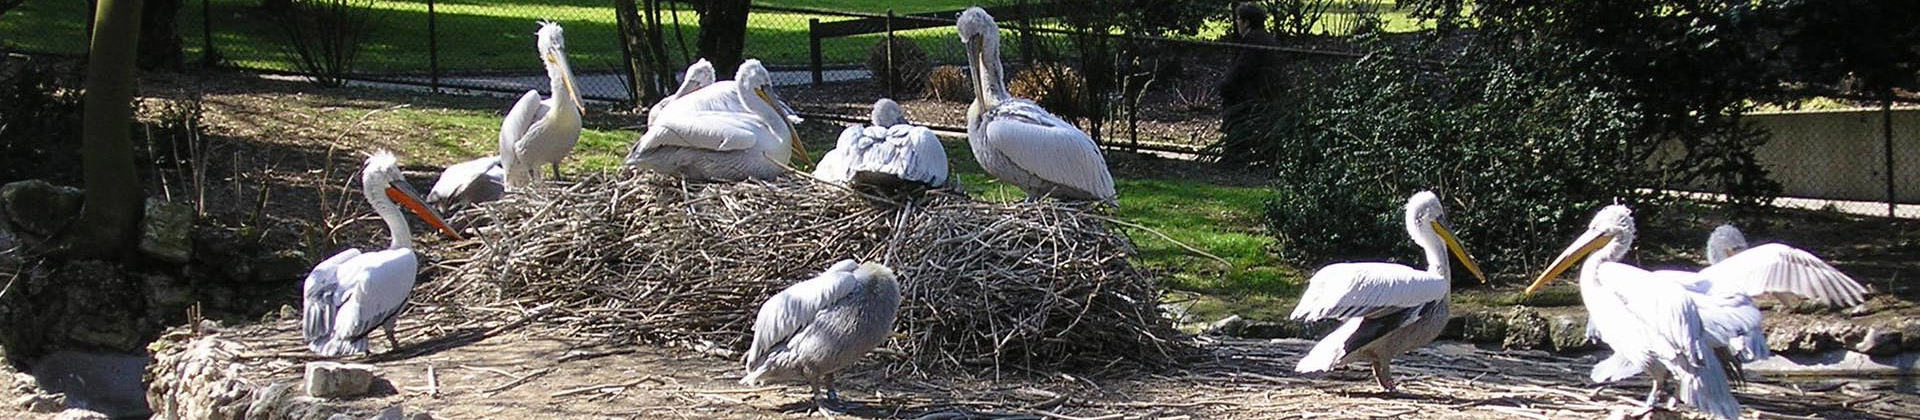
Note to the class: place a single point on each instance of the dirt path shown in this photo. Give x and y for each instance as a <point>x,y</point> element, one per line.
<point>539,371</point>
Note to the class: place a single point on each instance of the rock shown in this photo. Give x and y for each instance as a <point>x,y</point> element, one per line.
<point>166,296</point>
<point>107,383</point>
<point>391,413</point>
<point>1526,329</point>
<point>166,232</point>
<point>421,416</point>
<point>80,414</point>
<point>1229,326</point>
<point>1812,337</point>
<point>338,380</point>
<point>1478,327</point>
<point>281,267</point>
<point>41,402</point>
<point>1569,333</point>
<point>38,207</point>
<point>1879,341</point>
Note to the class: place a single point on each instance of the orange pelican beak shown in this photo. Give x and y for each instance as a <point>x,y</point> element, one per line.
<point>403,193</point>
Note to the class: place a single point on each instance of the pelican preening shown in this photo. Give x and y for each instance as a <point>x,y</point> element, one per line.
<point>1783,271</point>
<point>699,75</point>
<point>890,154</point>
<point>474,181</point>
<point>540,131</point>
<point>818,327</point>
<point>1654,322</point>
<point>351,293</point>
<point>1387,309</point>
<point>1016,140</point>
<point>730,130</point>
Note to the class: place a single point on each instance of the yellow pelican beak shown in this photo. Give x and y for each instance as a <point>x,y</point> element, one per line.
<point>576,94</point>
<point>403,193</point>
<point>1586,244</point>
<point>1459,251</point>
<point>793,133</point>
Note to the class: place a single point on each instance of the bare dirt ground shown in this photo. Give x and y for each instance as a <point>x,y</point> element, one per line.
<point>496,369</point>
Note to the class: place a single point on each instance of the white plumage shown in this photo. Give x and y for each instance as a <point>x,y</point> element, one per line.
<point>474,181</point>
<point>1652,321</point>
<point>1776,269</point>
<point>537,131</point>
<point>730,130</point>
<point>352,293</point>
<point>889,154</point>
<point>699,75</point>
<point>818,327</point>
<point>1016,140</point>
<point>1387,309</point>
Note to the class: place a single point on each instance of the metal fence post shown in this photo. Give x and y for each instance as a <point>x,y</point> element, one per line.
<point>433,47</point>
<point>208,56</point>
<point>813,45</point>
<point>1886,129</point>
<point>891,71</point>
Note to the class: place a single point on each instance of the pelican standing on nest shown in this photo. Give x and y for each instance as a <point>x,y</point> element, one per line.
<point>890,154</point>
<point>699,75</point>
<point>1387,309</point>
<point>538,131</point>
<point>1783,271</point>
<point>1016,140</point>
<point>1654,322</point>
<point>351,293</point>
<point>471,182</point>
<point>731,130</point>
<point>818,327</point>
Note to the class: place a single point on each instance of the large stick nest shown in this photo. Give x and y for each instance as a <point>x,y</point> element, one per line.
<point>645,257</point>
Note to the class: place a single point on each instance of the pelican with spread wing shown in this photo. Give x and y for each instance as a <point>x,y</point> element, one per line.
<point>1655,322</point>
<point>890,155</point>
<point>1385,309</point>
<point>543,131</point>
<point>1783,271</point>
<point>730,130</point>
<point>1016,140</point>
<point>818,327</point>
<point>474,181</point>
<point>352,293</point>
<point>699,75</point>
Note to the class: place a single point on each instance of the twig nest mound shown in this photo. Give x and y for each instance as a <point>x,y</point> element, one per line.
<point>645,257</point>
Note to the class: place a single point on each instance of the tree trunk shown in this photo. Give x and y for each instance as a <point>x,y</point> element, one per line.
<point>113,199</point>
<point>723,34</point>
<point>159,37</point>
<point>633,38</point>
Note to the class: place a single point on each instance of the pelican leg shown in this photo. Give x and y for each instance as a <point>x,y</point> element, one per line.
<point>556,170</point>
<point>1653,396</point>
<point>831,405</point>
<point>392,342</point>
<point>1383,373</point>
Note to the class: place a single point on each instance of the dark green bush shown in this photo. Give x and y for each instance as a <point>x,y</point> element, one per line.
<point>1521,163</point>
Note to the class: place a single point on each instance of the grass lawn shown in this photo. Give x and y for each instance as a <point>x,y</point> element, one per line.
<point>498,35</point>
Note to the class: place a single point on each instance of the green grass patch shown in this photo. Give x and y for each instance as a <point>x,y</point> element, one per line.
<point>458,135</point>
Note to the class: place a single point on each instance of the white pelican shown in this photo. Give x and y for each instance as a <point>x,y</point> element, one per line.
<point>818,327</point>
<point>889,154</point>
<point>1777,269</point>
<point>1387,308</point>
<point>1653,322</point>
<point>351,293</point>
<point>730,130</point>
<point>699,75</point>
<point>474,181</point>
<point>1016,140</point>
<point>540,131</point>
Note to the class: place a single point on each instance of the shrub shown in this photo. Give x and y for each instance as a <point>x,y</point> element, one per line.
<point>1054,86</point>
<point>39,123</point>
<point>910,65</point>
<point>325,36</point>
<point>1520,163</point>
<point>950,83</point>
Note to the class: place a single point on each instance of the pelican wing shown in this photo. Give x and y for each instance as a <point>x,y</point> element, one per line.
<point>1659,316</point>
<point>909,152</point>
<point>837,164</point>
<point>786,313</point>
<point>720,96</point>
<point>1047,147</point>
<point>1731,320</point>
<point>1363,289</point>
<point>1776,268</point>
<point>321,298</point>
<point>709,130</point>
<point>519,122</point>
<point>374,287</point>
<point>463,177</point>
